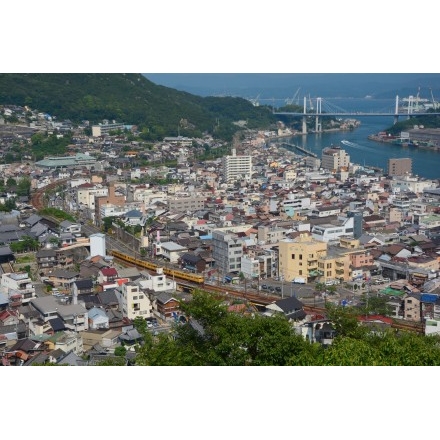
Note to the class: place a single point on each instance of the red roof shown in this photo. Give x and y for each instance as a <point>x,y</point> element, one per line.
<point>109,272</point>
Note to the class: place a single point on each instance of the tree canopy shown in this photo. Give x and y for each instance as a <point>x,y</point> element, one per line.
<point>213,336</point>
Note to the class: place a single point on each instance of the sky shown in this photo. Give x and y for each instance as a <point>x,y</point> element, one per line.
<point>218,37</point>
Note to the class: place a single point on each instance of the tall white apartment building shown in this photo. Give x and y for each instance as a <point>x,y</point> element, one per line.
<point>236,167</point>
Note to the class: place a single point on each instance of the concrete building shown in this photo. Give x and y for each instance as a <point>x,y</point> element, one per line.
<point>332,232</point>
<point>97,245</point>
<point>227,251</point>
<point>299,257</point>
<point>184,204</point>
<point>18,286</point>
<point>100,130</point>
<point>236,167</point>
<point>399,166</point>
<point>334,158</point>
<point>133,301</point>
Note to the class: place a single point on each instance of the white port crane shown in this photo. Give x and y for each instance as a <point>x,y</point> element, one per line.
<point>295,96</point>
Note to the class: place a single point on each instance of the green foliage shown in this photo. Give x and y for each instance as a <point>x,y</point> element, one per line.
<point>120,351</point>
<point>428,121</point>
<point>57,213</point>
<point>131,98</point>
<point>116,361</point>
<point>49,145</point>
<point>8,206</point>
<point>374,305</point>
<point>25,244</point>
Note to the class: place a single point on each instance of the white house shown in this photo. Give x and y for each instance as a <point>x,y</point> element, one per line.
<point>98,319</point>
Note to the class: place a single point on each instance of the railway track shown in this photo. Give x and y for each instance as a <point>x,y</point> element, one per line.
<point>37,198</point>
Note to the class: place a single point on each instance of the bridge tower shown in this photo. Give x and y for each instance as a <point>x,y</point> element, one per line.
<point>396,111</point>
<point>304,122</point>
<point>318,125</point>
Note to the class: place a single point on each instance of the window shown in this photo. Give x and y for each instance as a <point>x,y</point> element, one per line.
<point>293,256</point>
<point>300,256</point>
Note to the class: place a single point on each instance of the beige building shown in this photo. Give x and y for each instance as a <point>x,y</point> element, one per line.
<point>133,301</point>
<point>334,268</point>
<point>400,166</point>
<point>299,257</point>
<point>334,158</point>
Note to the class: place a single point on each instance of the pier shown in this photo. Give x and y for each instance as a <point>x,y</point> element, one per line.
<point>303,150</point>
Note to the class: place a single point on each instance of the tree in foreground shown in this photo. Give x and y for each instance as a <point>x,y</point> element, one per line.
<point>213,336</point>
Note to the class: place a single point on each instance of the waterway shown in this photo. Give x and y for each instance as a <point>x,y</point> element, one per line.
<point>362,151</point>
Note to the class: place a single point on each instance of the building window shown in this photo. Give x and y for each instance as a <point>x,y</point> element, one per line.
<point>293,256</point>
<point>300,256</point>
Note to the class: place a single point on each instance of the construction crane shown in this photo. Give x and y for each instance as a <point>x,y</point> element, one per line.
<point>255,101</point>
<point>434,103</point>
<point>291,101</point>
<point>417,99</point>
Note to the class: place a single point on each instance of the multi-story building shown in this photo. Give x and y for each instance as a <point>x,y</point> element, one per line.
<point>334,158</point>
<point>18,286</point>
<point>133,301</point>
<point>399,166</point>
<point>236,167</point>
<point>334,267</point>
<point>188,203</point>
<point>299,257</point>
<point>332,232</point>
<point>250,267</point>
<point>227,251</point>
<point>99,130</point>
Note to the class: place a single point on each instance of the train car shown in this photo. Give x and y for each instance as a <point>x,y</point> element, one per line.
<point>194,278</point>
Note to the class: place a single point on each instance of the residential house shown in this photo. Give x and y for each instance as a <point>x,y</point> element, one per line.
<point>63,278</point>
<point>98,319</point>
<point>81,287</point>
<point>291,307</point>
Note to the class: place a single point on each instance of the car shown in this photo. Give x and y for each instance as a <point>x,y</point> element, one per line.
<point>149,324</point>
<point>264,287</point>
<point>278,289</point>
<point>271,288</point>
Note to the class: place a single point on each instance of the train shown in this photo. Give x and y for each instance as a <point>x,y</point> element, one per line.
<point>180,274</point>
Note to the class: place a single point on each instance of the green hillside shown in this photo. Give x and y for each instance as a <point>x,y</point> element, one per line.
<point>130,98</point>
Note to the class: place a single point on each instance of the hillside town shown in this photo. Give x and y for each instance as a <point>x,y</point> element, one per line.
<point>261,218</point>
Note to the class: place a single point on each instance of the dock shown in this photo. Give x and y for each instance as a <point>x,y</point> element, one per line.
<point>303,150</point>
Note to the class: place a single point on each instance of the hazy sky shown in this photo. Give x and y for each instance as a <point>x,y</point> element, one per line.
<point>284,85</point>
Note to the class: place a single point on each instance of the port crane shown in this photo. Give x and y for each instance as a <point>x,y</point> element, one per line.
<point>434,103</point>
<point>295,96</point>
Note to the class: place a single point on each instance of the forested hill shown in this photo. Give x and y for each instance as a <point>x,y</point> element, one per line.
<point>131,99</point>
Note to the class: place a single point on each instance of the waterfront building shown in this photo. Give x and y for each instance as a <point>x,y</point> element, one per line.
<point>334,158</point>
<point>399,166</point>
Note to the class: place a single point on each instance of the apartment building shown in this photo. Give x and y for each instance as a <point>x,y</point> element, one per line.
<point>299,257</point>
<point>236,167</point>
<point>399,166</point>
<point>18,286</point>
<point>227,251</point>
<point>334,158</point>
<point>133,301</point>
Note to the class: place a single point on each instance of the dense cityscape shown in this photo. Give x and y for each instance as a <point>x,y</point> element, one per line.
<point>105,248</point>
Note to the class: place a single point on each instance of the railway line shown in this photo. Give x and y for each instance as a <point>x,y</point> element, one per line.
<point>38,196</point>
